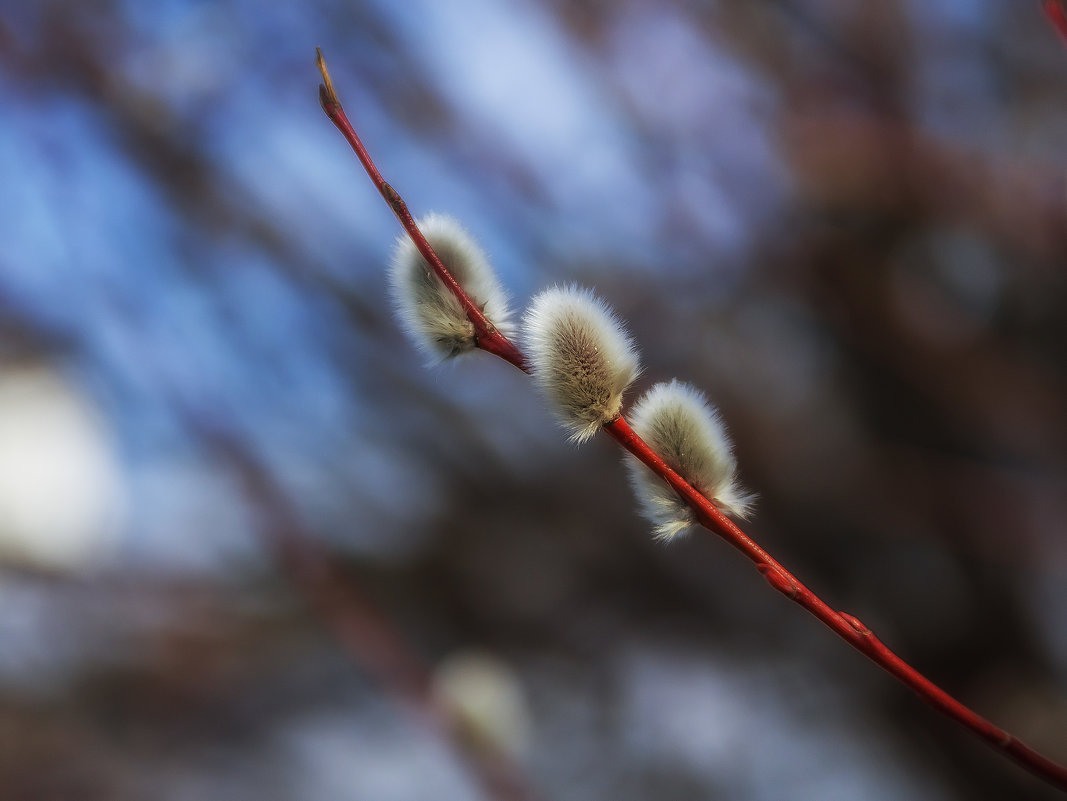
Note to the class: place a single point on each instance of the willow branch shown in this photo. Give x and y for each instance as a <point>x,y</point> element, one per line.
<point>845,625</point>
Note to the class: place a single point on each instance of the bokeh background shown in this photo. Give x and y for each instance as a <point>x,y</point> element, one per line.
<point>244,532</point>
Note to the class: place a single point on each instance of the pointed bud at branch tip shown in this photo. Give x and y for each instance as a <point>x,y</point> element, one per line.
<point>676,421</point>
<point>582,357</point>
<point>326,92</point>
<point>429,311</point>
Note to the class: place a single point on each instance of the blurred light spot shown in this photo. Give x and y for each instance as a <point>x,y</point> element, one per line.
<point>486,700</point>
<point>61,496</point>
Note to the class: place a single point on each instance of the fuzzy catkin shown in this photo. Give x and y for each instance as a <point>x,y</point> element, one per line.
<point>676,421</point>
<point>582,357</point>
<point>429,312</point>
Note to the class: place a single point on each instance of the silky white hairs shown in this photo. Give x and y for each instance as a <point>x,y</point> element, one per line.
<point>581,356</point>
<point>429,312</point>
<point>678,424</point>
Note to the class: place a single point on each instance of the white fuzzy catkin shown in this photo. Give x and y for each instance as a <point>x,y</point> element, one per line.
<point>678,424</point>
<point>429,312</point>
<point>582,357</point>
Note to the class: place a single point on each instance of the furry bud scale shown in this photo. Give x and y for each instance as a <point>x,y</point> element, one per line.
<point>429,312</point>
<point>676,421</point>
<point>582,357</point>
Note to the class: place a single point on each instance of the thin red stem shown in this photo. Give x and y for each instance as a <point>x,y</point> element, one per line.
<point>846,626</point>
<point>1057,16</point>
<point>486,335</point>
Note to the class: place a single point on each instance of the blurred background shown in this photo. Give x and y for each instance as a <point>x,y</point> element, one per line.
<point>250,548</point>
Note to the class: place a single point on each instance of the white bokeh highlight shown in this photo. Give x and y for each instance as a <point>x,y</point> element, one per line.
<point>62,499</point>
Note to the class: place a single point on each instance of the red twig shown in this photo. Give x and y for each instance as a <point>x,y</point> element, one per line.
<point>846,626</point>
<point>1057,16</point>
<point>486,335</point>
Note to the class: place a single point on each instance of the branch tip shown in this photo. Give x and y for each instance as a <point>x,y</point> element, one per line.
<point>326,91</point>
